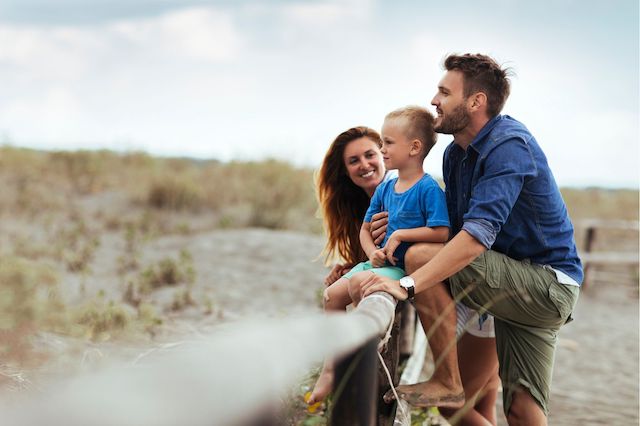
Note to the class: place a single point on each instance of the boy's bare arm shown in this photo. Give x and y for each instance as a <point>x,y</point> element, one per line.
<point>366,240</point>
<point>376,256</point>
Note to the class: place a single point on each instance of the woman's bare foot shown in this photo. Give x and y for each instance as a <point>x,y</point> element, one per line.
<point>323,386</point>
<point>428,394</point>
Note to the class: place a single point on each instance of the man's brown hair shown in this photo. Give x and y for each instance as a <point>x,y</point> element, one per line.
<point>482,74</point>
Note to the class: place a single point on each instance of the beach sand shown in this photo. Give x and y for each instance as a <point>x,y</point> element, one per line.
<point>595,379</point>
<point>255,273</point>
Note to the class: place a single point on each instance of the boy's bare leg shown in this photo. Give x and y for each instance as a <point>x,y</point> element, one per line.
<point>336,298</point>
<point>438,317</point>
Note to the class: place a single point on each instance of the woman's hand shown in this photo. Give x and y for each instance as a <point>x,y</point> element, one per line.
<point>336,273</point>
<point>378,226</point>
<point>375,283</point>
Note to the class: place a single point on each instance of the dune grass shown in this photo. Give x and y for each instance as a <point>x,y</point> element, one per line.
<point>57,209</point>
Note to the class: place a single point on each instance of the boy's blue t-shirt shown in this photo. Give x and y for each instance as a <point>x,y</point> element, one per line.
<point>423,204</point>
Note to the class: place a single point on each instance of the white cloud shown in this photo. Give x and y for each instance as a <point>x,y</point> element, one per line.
<point>283,79</point>
<point>47,54</point>
<point>602,145</point>
<point>198,33</point>
<point>327,12</point>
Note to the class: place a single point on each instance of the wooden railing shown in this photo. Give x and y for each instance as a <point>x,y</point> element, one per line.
<point>592,230</point>
<point>235,376</point>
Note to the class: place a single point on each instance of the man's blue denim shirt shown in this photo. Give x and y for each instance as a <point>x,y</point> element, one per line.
<point>502,192</point>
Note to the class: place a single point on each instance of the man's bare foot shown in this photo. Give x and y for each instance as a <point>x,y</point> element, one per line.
<point>428,394</point>
<point>323,386</point>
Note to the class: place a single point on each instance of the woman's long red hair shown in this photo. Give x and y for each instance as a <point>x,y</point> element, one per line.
<point>343,204</point>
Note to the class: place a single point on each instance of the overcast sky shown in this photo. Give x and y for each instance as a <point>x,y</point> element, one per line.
<point>243,79</point>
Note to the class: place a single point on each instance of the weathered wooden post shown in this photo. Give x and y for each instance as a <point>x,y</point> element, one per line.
<point>407,330</point>
<point>391,358</point>
<point>588,246</point>
<point>355,398</point>
<point>361,382</point>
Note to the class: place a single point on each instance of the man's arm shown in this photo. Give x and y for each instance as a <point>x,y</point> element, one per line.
<point>454,256</point>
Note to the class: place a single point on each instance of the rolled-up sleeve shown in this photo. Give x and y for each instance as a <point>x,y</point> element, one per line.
<point>506,168</point>
<point>481,230</point>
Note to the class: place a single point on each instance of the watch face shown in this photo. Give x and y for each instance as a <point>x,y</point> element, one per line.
<point>406,282</point>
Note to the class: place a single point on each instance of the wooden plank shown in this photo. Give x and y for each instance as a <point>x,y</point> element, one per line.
<point>631,225</point>
<point>612,258</point>
<point>226,377</point>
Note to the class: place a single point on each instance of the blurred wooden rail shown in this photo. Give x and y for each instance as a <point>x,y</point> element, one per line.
<point>217,379</point>
<point>589,257</point>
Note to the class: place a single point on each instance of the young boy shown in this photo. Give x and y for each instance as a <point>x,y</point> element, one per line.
<point>417,213</point>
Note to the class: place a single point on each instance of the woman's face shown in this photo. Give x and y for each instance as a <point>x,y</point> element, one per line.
<point>363,161</point>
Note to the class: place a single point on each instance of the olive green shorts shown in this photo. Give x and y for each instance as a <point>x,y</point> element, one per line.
<point>529,306</point>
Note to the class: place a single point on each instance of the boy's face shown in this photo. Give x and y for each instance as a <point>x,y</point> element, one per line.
<point>396,146</point>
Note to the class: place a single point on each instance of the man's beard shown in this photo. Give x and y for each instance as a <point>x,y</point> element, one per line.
<point>455,122</point>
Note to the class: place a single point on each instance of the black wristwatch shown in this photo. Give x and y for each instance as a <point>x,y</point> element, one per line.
<point>408,284</point>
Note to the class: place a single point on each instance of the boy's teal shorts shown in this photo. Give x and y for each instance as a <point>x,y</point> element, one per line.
<point>386,271</point>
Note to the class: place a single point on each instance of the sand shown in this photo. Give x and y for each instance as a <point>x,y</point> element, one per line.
<point>249,273</point>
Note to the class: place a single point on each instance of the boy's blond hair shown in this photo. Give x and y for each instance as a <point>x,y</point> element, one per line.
<point>419,125</point>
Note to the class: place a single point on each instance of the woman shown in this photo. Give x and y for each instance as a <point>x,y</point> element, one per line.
<point>351,171</point>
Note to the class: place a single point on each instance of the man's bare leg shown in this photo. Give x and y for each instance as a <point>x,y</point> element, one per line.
<point>438,317</point>
<point>478,364</point>
<point>525,410</point>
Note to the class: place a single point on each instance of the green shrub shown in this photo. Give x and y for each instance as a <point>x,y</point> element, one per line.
<point>275,193</point>
<point>148,317</point>
<point>102,320</point>
<point>175,193</point>
<point>167,272</point>
<point>76,245</point>
<point>84,170</point>
<point>28,302</point>
<point>181,299</point>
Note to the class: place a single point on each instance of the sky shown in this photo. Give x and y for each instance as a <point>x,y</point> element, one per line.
<point>249,79</point>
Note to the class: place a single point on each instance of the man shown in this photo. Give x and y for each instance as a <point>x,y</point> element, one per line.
<point>513,253</point>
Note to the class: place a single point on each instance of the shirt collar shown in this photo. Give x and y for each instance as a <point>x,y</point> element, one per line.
<point>481,139</point>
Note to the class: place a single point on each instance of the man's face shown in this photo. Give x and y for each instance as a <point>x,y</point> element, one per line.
<point>450,104</point>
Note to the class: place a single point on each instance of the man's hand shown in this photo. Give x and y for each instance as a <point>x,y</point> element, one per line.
<point>378,258</point>
<point>378,225</point>
<point>375,283</point>
<point>336,273</point>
